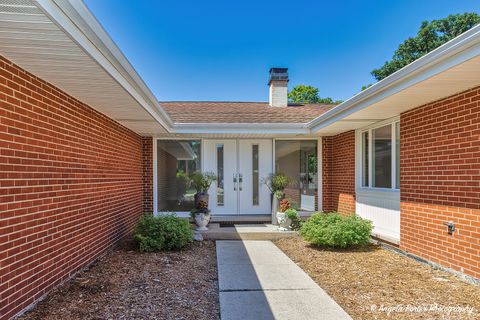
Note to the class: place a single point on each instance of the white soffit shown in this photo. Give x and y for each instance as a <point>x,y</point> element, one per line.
<point>234,135</point>
<point>54,41</point>
<point>456,79</point>
<point>450,69</point>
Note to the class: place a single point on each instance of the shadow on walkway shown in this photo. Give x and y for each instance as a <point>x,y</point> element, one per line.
<point>258,281</point>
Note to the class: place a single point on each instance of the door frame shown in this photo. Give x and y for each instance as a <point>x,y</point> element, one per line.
<point>202,153</point>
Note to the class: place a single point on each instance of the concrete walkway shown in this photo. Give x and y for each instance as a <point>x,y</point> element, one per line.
<point>259,282</point>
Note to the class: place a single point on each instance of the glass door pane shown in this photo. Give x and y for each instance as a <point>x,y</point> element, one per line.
<point>220,175</point>
<point>297,159</point>
<point>255,177</point>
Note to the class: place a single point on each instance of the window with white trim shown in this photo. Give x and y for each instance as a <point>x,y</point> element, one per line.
<point>380,154</point>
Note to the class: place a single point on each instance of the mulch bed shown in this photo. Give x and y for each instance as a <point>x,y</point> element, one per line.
<point>375,283</point>
<point>127,284</point>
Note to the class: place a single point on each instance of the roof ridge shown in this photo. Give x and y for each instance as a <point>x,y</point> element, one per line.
<point>291,104</point>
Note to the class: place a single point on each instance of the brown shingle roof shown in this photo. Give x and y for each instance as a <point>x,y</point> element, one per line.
<point>242,112</point>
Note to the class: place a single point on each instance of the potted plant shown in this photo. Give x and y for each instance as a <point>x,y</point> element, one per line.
<point>202,182</point>
<point>294,219</point>
<point>200,213</point>
<point>283,218</point>
<point>276,183</point>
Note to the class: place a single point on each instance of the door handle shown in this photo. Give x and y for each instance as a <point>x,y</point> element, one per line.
<point>234,182</point>
<point>240,181</point>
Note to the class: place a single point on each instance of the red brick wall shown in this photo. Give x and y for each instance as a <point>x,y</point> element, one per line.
<point>70,186</point>
<point>147,143</point>
<point>338,163</point>
<point>327,202</point>
<point>440,181</point>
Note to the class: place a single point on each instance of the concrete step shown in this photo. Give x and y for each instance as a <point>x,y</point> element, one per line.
<point>246,232</point>
<point>242,218</point>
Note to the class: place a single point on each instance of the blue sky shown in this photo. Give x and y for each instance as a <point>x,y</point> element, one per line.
<point>222,50</point>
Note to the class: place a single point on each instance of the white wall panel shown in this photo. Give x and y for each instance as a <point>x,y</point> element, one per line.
<point>383,209</point>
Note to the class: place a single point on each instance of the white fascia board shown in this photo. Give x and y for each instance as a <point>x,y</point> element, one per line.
<point>120,69</point>
<point>454,52</point>
<point>241,128</point>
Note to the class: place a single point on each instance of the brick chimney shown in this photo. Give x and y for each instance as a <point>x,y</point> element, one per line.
<point>278,82</point>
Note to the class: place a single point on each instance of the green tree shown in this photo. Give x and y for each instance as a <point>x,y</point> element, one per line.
<point>366,87</point>
<point>303,94</point>
<point>308,94</point>
<point>430,36</point>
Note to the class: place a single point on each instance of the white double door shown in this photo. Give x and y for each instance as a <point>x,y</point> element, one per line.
<point>241,166</point>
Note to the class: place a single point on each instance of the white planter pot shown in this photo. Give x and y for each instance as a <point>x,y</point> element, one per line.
<point>202,220</point>
<point>274,209</point>
<point>283,222</point>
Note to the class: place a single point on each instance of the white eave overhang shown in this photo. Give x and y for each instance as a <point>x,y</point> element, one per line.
<point>453,67</point>
<point>61,42</point>
<point>252,129</point>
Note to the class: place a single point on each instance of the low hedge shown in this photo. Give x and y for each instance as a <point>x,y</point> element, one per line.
<point>165,232</point>
<point>335,230</point>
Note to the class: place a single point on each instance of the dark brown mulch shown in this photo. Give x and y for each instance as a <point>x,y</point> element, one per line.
<point>396,286</point>
<point>126,284</point>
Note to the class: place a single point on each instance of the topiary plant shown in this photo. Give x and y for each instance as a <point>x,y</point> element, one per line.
<point>165,232</point>
<point>335,230</point>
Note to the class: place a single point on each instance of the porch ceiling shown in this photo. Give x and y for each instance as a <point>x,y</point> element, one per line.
<point>62,43</point>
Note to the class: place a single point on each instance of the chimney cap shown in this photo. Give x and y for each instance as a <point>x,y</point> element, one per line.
<point>280,74</point>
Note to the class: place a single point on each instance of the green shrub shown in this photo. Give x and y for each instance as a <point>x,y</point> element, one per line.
<point>292,214</point>
<point>165,232</point>
<point>335,230</point>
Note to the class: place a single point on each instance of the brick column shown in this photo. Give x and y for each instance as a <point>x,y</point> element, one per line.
<point>147,174</point>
